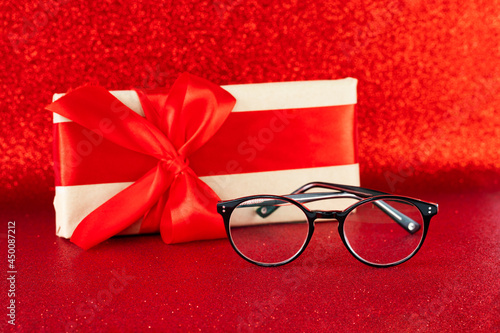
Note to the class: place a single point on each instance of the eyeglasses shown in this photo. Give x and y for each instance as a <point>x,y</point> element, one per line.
<point>379,229</point>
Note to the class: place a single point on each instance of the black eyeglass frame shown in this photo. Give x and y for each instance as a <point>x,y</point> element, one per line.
<point>427,210</point>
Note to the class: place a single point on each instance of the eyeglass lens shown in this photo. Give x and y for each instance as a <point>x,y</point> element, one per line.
<point>272,239</point>
<point>374,236</point>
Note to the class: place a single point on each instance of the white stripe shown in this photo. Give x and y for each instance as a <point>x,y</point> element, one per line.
<point>73,203</point>
<point>267,96</point>
<point>127,97</point>
<point>279,182</point>
<point>293,95</point>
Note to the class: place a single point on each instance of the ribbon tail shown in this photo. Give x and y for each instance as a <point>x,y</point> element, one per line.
<point>191,211</point>
<point>151,220</point>
<point>122,210</point>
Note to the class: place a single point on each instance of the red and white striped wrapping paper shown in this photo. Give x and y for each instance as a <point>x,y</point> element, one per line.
<point>278,137</point>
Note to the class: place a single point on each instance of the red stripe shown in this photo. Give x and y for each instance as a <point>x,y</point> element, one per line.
<point>247,142</point>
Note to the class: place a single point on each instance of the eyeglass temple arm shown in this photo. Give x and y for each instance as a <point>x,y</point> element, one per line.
<point>359,191</point>
<point>347,191</point>
<point>406,222</point>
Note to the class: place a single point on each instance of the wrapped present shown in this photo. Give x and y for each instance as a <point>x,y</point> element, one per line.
<point>131,162</point>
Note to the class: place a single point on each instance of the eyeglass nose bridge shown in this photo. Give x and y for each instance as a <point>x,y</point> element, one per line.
<point>326,214</point>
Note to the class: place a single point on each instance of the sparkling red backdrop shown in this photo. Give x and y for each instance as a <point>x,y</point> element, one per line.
<point>429,123</point>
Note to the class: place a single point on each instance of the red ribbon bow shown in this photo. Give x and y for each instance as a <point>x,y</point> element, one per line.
<point>175,126</point>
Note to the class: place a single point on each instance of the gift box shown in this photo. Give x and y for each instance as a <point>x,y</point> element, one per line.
<point>271,139</point>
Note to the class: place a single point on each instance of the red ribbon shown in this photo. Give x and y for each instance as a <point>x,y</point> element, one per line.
<point>247,142</point>
<point>175,126</point>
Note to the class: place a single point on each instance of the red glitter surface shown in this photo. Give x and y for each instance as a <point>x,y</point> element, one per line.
<point>429,122</point>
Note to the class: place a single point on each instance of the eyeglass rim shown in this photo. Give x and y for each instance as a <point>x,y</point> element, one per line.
<point>426,217</point>
<point>236,202</point>
<point>226,207</point>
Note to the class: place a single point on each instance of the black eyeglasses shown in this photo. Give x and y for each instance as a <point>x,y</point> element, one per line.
<point>379,229</point>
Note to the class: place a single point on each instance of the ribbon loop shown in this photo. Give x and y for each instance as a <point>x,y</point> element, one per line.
<point>168,199</point>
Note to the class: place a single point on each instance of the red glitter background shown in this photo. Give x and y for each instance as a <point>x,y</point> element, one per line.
<point>429,119</point>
